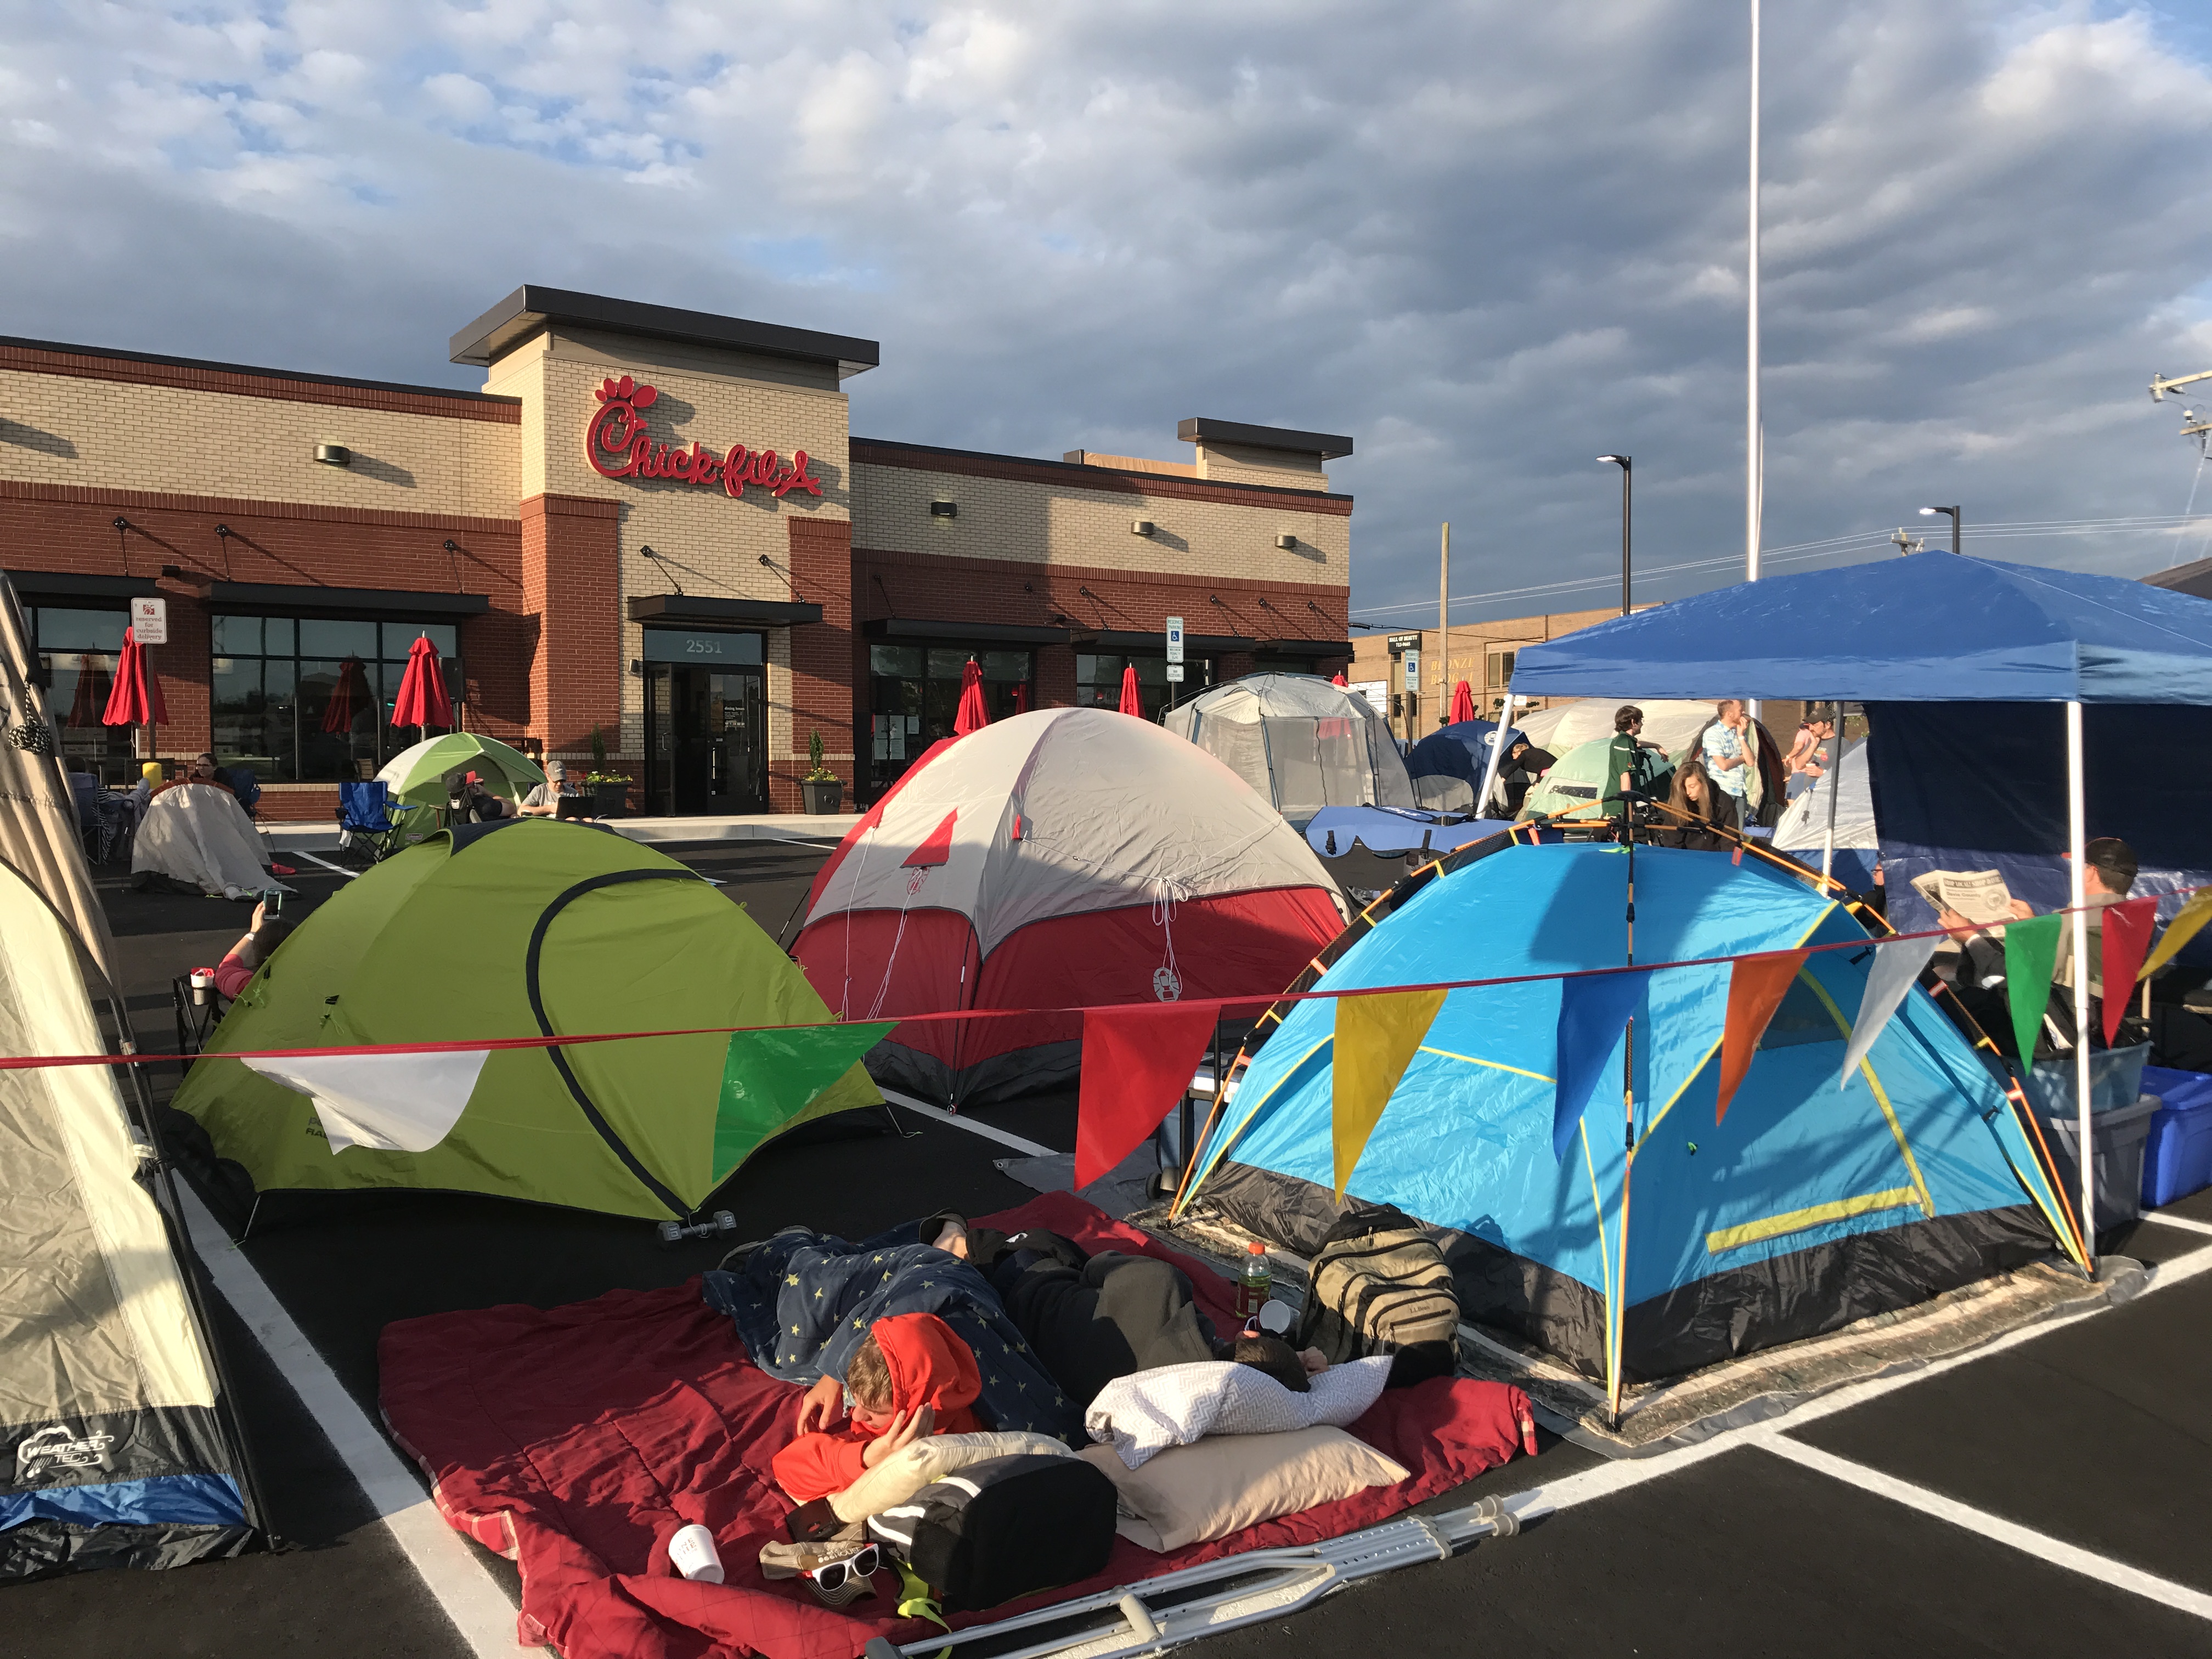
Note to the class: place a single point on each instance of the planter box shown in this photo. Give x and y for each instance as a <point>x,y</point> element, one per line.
<point>828,797</point>
<point>609,800</point>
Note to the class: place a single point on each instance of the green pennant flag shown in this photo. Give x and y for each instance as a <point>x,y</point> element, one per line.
<point>770,1078</point>
<point>2030,959</point>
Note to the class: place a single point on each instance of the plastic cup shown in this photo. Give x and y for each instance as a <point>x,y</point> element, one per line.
<point>691,1552</point>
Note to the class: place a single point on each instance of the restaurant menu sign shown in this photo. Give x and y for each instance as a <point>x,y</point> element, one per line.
<point>617,445</point>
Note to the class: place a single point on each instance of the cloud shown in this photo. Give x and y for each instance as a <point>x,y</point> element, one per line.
<point>1490,240</point>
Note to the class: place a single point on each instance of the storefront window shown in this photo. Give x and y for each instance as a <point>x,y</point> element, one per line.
<point>1098,681</point>
<point>914,696</point>
<point>309,699</point>
<point>79,650</point>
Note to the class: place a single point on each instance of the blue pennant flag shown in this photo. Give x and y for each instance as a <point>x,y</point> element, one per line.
<point>1593,1012</point>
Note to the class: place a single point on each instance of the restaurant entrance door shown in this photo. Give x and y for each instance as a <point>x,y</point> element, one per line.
<point>706,740</point>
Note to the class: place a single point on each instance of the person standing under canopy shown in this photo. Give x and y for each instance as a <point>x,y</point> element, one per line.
<point>1727,748</point>
<point>1628,764</point>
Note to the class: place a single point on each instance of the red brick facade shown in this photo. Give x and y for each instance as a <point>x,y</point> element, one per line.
<point>826,661</point>
<point>570,592</point>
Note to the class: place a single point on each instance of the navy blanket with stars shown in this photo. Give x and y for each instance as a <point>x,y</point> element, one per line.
<point>802,1301</point>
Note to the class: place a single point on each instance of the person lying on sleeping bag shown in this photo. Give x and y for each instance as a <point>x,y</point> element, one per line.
<point>910,1377</point>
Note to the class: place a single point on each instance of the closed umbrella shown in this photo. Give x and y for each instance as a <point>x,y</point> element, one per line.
<point>1338,678</point>
<point>421,700</point>
<point>1022,698</point>
<point>136,699</point>
<point>1462,707</point>
<point>1131,702</point>
<point>349,696</point>
<point>972,716</point>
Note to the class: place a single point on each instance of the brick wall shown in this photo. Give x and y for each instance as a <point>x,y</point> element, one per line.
<point>828,668</point>
<point>569,587</point>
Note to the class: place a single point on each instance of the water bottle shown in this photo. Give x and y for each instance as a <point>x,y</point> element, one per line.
<point>1252,1283</point>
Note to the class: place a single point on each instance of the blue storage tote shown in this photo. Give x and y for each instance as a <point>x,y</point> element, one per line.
<point>2177,1155</point>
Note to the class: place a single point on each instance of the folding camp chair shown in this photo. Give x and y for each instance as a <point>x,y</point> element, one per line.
<point>197,1012</point>
<point>367,819</point>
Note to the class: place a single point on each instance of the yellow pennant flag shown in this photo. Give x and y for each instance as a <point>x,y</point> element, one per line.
<point>2182,928</point>
<point>1376,1038</point>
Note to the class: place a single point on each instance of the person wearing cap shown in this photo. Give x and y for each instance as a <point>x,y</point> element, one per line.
<point>471,803</point>
<point>2109,871</point>
<point>544,800</point>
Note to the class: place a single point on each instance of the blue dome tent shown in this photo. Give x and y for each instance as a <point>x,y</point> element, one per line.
<point>1811,1206</point>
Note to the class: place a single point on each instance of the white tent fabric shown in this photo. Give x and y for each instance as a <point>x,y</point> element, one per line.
<point>1672,723</point>
<point>1301,742</point>
<point>198,834</point>
<point>388,1102</point>
<point>1062,812</point>
<point>1804,826</point>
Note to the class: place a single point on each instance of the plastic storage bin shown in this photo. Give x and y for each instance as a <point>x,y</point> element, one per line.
<point>2178,1153</point>
<point>2117,1141</point>
<point>2115,1081</point>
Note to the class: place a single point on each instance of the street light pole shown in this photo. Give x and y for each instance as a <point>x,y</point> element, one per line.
<point>1627,473</point>
<point>1930,512</point>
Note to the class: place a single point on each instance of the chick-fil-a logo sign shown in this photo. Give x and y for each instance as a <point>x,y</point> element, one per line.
<point>618,446</point>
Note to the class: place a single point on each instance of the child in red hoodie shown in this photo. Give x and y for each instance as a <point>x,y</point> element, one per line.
<point>910,1377</point>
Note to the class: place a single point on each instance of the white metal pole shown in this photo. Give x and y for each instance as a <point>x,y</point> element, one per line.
<point>1833,778</point>
<point>1754,457</point>
<point>2077,836</point>
<point>1496,753</point>
<point>1443,625</point>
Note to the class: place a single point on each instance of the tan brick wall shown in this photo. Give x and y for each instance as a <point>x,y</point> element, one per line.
<point>116,433</point>
<point>1279,469</point>
<point>1045,524</point>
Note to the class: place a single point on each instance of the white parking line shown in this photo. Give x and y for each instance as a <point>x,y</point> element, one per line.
<point>338,868</point>
<point>2179,1221</point>
<point>2072,1556</point>
<point>462,1586</point>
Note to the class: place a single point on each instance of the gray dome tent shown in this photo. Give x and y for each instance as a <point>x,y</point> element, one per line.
<point>1302,743</point>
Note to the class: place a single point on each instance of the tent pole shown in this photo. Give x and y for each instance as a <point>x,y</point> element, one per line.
<point>2078,838</point>
<point>1833,777</point>
<point>1496,751</point>
<point>1443,629</point>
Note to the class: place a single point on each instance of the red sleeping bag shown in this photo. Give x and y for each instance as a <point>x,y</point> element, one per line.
<point>575,1441</point>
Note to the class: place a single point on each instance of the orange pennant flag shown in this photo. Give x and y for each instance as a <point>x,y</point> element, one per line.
<point>1756,988</point>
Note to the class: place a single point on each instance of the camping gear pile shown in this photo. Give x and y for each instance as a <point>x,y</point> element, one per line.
<point>524,929</point>
<point>1301,742</point>
<point>1059,859</point>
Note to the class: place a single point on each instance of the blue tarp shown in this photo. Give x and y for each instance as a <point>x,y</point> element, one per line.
<point>1928,628</point>
<point>1459,750</point>
<point>1388,832</point>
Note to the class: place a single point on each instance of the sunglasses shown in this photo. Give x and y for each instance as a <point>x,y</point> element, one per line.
<point>838,1574</point>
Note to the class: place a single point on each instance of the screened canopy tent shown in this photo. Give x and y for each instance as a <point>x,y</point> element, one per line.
<point>523,928</point>
<point>2052,661</point>
<point>1301,742</point>
<point>1816,1201</point>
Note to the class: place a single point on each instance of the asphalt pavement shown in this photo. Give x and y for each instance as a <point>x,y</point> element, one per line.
<point>2013,1504</point>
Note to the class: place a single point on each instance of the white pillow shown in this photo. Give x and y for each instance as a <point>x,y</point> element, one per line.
<point>903,1473</point>
<point>1144,1413</point>
<point>1194,1494</point>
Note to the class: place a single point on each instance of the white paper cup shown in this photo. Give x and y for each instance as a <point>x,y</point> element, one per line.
<point>692,1553</point>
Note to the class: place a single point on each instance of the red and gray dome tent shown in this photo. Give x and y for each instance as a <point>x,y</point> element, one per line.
<point>1067,858</point>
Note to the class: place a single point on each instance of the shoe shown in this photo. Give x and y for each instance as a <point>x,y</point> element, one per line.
<point>781,1560</point>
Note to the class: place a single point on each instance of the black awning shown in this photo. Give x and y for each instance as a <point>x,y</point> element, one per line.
<point>962,633</point>
<point>1317,649</point>
<point>48,584</point>
<point>1136,641</point>
<point>285,600</point>
<point>692,611</point>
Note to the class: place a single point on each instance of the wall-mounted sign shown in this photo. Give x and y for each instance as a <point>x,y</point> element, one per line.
<point>149,621</point>
<point>702,650</point>
<point>617,445</point>
<point>1404,642</point>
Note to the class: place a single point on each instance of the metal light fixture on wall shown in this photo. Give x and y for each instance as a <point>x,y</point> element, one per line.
<point>944,509</point>
<point>334,454</point>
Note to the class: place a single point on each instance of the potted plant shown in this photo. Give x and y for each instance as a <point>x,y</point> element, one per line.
<point>609,790</point>
<point>824,789</point>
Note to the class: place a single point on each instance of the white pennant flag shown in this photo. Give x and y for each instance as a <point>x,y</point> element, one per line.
<point>1896,968</point>
<point>390,1103</point>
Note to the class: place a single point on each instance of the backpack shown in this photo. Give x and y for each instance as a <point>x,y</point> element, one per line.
<point>1379,1285</point>
<point>1003,1528</point>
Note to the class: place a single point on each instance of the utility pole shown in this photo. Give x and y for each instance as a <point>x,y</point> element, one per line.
<point>1754,439</point>
<point>1443,627</point>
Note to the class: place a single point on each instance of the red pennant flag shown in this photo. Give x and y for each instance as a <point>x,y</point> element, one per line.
<point>1138,1061</point>
<point>1756,988</point>
<point>2127,926</point>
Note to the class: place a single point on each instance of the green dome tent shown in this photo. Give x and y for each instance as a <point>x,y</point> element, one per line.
<point>522,929</point>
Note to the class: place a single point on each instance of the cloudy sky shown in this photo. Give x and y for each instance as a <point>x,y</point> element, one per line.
<point>1490,240</point>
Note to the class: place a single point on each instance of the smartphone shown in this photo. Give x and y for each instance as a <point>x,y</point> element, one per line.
<point>273,900</point>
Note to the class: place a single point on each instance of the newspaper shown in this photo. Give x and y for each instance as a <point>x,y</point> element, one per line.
<point>1980,895</point>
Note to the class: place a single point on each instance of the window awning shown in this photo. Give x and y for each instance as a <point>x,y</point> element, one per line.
<point>1139,641</point>
<point>45,587</point>
<point>696,610</point>
<point>1317,649</point>
<point>962,633</point>
<point>286,599</point>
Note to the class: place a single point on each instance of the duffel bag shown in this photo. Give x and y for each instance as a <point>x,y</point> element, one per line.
<point>1003,1528</point>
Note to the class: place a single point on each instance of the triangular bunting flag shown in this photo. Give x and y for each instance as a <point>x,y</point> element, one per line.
<point>1756,988</point>
<point>1593,1012</point>
<point>387,1103</point>
<point>2030,956</point>
<point>2178,932</point>
<point>770,1078</point>
<point>1138,1061</point>
<point>1897,967</point>
<point>1376,1038</point>
<point>2127,928</point>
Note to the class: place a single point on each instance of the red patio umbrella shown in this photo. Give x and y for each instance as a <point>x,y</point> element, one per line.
<point>348,697</point>
<point>1022,698</point>
<point>421,700</point>
<point>1131,702</point>
<point>972,716</point>
<point>1462,707</point>
<point>136,699</point>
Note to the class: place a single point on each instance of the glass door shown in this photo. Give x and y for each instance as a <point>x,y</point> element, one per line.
<point>706,740</point>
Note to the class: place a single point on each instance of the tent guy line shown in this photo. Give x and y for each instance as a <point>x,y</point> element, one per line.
<point>908,1103</point>
<point>561,1040</point>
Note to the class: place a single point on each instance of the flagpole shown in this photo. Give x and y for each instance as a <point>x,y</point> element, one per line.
<point>2077,836</point>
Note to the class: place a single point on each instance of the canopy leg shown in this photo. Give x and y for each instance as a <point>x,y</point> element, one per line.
<point>1497,752</point>
<point>2078,839</point>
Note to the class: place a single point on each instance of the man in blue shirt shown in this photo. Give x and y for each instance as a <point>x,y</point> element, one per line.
<point>1726,749</point>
